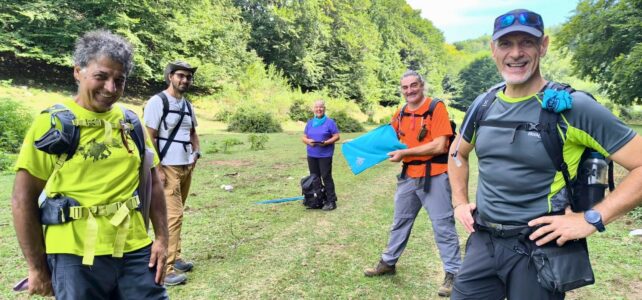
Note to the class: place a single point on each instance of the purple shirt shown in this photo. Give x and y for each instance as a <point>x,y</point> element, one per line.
<point>320,134</point>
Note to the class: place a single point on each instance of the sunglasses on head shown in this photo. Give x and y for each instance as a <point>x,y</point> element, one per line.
<point>525,18</point>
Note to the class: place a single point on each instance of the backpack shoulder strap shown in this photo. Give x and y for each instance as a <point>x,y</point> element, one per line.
<point>480,113</point>
<point>399,118</point>
<point>553,144</point>
<point>190,112</point>
<point>70,131</point>
<point>137,134</point>
<point>165,110</point>
<point>551,137</point>
<point>431,108</point>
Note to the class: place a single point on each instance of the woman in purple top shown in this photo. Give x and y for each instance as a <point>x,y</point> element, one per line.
<point>319,135</point>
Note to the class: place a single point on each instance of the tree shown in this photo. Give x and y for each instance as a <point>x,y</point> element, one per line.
<point>604,39</point>
<point>207,33</point>
<point>475,79</point>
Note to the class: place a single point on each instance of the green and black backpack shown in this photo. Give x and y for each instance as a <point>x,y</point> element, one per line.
<point>551,132</point>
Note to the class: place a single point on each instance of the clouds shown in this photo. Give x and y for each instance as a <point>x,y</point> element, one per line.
<point>465,19</point>
<point>461,12</point>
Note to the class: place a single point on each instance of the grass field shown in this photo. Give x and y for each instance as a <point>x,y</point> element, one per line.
<point>243,250</point>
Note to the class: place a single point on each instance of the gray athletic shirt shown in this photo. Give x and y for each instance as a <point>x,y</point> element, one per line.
<point>517,179</point>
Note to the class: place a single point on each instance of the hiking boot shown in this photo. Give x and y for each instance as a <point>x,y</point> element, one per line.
<point>174,278</point>
<point>183,266</point>
<point>447,286</point>
<point>329,205</point>
<point>381,269</point>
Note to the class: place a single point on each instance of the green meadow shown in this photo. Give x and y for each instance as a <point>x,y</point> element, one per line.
<point>244,250</point>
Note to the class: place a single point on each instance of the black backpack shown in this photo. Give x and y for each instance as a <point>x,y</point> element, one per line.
<point>170,139</point>
<point>313,191</point>
<point>547,127</point>
<point>439,159</point>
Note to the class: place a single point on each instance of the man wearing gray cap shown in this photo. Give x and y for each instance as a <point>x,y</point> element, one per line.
<point>171,123</point>
<point>527,233</point>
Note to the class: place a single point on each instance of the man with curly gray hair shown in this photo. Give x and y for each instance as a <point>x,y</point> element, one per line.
<point>95,243</point>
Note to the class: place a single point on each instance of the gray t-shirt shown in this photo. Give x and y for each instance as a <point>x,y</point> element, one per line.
<point>517,179</point>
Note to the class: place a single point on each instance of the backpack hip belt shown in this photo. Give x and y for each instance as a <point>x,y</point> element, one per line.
<point>428,163</point>
<point>120,219</point>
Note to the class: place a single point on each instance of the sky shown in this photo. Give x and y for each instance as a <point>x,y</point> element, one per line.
<point>467,19</point>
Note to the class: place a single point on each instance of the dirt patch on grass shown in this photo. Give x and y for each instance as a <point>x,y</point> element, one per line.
<point>281,166</point>
<point>636,290</point>
<point>230,163</point>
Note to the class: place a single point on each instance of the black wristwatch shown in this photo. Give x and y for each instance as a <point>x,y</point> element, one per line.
<point>594,218</point>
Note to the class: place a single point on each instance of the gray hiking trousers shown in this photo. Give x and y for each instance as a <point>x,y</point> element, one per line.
<point>409,199</point>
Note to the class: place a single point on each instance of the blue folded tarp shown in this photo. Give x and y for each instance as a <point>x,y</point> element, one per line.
<point>371,148</point>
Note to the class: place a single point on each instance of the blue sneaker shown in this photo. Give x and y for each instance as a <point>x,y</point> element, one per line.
<point>183,266</point>
<point>174,278</point>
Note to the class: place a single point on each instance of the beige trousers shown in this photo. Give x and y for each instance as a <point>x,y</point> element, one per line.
<point>176,188</point>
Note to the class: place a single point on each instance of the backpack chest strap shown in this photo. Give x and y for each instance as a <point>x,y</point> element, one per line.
<point>108,126</point>
<point>516,125</point>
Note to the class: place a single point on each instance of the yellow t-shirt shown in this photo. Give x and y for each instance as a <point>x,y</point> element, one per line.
<point>99,173</point>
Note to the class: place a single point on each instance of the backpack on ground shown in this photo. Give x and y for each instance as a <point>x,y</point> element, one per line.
<point>550,131</point>
<point>313,191</point>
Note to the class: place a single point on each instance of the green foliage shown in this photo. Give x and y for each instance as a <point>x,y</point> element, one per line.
<point>14,122</point>
<point>228,143</point>
<point>257,141</point>
<point>252,120</point>
<point>223,116</point>
<point>211,147</point>
<point>6,162</point>
<point>636,213</point>
<point>350,49</point>
<point>605,42</point>
<point>346,123</point>
<point>475,79</point>
<point>208,34</point>
<point>299,111</point>
<point>630,114</point>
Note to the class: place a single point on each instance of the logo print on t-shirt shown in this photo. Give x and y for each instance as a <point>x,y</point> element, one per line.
<point>94,150</point>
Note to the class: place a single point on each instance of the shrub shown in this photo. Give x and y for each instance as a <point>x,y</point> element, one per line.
<point>229,143</point>
<point>299,111</point>
<point>346,123</point>
<point>249,120</point>
<point>223,116</point>
<point>5,162</point>
<point>211,148</point>
<point>14,122</point>
<point>630,115</point>
<point>257,141</point>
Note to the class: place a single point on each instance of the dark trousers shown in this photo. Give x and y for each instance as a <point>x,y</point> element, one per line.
<point>128,277</point>
<point>498,268</point>
<point>322,167</point>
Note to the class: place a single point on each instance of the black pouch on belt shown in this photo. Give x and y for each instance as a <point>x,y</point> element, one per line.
<point>561,269</point>
<point>56,210</point>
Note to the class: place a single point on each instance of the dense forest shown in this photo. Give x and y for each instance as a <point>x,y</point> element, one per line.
<point>345,49</point>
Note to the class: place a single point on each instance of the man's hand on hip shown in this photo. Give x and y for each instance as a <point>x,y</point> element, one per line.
<point>563,228</point>
<point>464,214</point>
